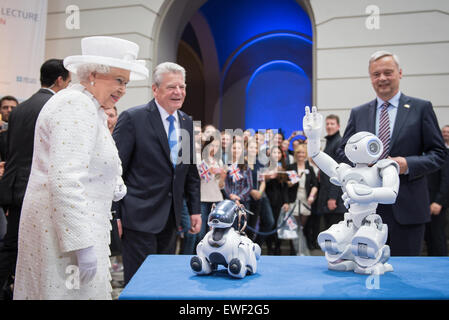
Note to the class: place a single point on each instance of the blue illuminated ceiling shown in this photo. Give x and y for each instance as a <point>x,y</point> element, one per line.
<point>235,22</point>
<point>264,53</point>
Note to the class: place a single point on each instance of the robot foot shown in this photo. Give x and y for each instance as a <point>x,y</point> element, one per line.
<point>378,268</point>
<point>200,266</point>
<point>236,268</point>
<point>341,265</point>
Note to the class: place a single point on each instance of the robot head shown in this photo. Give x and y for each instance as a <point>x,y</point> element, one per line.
<point>223,215</point>
<point>363,147</point>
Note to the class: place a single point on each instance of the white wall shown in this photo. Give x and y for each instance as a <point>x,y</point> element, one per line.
<point>128,19</point>
<point>417,31</point>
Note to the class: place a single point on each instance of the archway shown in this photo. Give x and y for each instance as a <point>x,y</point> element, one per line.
<point>233,42</point>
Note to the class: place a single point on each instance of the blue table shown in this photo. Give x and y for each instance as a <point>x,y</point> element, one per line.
<point>169,277</point>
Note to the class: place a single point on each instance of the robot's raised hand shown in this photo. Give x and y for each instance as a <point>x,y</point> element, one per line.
<point>312,124</point>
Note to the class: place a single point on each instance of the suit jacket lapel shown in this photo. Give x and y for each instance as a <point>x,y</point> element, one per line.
<point>158,126</point>
<point>372,116</point>
<point>401,118</point>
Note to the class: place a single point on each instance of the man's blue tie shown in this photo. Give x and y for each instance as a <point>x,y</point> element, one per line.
<point>172,140</point>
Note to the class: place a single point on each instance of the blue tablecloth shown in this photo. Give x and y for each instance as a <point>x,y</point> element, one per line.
<point>169,277</point>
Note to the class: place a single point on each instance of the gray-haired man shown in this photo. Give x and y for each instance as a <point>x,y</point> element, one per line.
<point>148,141</point>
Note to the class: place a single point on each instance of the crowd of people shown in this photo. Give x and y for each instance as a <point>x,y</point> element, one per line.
<point>67,160</point>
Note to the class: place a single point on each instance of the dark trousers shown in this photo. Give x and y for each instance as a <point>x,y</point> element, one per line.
<point>8,252</point>
<point>136,246</point>
<point>332,218</point>
<point>404,240</point>
<point>311,230</point>
<point>435,235</point>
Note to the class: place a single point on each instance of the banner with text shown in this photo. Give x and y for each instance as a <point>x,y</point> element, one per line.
<point>22,38</point>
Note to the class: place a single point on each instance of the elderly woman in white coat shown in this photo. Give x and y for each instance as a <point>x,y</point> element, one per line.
<point>64,232</point>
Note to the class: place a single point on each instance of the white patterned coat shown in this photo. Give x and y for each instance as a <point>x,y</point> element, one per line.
<point>67,204</point>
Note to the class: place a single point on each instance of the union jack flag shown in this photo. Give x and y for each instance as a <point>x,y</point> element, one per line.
<point>291,223</point>
<point>204,171</point>
<point>234,172</point>
<point>293,176</point>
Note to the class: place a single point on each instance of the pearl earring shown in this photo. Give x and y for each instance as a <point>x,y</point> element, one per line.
<point>92,83</point>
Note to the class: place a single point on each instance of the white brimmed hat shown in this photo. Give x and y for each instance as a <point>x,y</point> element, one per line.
<point>109,51</point>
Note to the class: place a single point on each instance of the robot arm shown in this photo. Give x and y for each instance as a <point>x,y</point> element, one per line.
<point>386,194</point>
<point>312,126</point>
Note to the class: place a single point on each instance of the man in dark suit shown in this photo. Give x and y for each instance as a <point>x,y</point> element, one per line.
<point>414,141</point>
<point>330,203</point>
<point>158,170</point>
<point>435,235</point>
<point>22,121</point>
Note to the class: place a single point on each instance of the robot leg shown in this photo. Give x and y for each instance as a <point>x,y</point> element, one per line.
<point>199,263</point>
<point>336,243</point>
<point>369,248</point>
<point>245,262</point>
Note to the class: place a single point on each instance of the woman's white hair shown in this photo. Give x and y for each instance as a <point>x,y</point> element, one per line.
<point>83,71</point>
<point>380,54</point>
<point>164,68</point>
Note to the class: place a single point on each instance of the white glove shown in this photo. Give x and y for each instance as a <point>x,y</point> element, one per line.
<point>120,189</point>
<point>87,264</point>
<point>312,125</point>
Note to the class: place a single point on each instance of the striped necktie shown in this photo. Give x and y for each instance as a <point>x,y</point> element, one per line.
<point>384,130</point>
<point>172,140</point>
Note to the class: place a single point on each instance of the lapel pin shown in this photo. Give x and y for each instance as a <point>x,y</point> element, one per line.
<point>407,106</point>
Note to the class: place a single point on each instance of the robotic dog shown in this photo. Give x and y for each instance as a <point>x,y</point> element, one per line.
<point>358,242</point>
<point>226,246</point>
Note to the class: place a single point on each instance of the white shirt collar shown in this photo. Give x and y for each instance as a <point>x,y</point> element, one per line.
<point>165,114</point>
<point>394,101</point>
<point>49,90</point>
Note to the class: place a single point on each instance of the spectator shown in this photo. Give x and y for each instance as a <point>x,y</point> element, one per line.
<point>330,203</point>
<point>412,139</point>
<point>238,181</point>
<point>22,121</point>
<point>435,234</point>
<point>7,104</point>
<point>259,203</point>
<point>211,182</point>
<point>445,133</point>
<point>303,192</point>
<point>156,171</point>
<point>226,142</point>
<point>289,159</point>
<point>112,117</point>
<point>115,246</point>
<point>277,193</point>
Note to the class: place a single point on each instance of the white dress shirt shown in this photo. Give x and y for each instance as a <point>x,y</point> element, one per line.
<point>165,122</point>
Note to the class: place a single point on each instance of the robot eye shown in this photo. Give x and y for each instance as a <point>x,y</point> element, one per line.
<point>374,147</point>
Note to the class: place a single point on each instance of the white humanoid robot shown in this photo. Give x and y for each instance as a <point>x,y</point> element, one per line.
<point>358,242</point>
<point>224,245</point>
